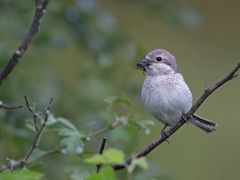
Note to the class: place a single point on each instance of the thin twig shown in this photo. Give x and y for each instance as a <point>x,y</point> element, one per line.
<point>34,28</point>
<point>105,129</point>
<point>37,136</point>
<point>208,91</point>
<point>34,114</point>
<point>23,161</point>
<point>100,152</point>
<point>58,150</point>
<point>8,107</point>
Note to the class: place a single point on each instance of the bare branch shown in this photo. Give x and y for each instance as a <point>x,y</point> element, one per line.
<point>32,110</point>
<point>208,91</point>
<point>9,108</point>
<point>34,28</point>
<point>8,68</point>
<point>101,151</point>
<point>37,136</point>
<point>111,126</point>
<point>23,161</point>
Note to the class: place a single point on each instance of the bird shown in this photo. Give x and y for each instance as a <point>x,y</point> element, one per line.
<point>165,94</point>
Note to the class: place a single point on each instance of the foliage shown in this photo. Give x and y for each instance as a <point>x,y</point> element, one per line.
<point>105,174</point>
<point>72,139</point>
<point>21,174</point>
<point>109,156</point>
<point>81,55</point>
<point>141,162</point>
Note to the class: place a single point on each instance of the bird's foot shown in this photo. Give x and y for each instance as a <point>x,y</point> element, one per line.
<point>164,135</point>
<point>185,118</point>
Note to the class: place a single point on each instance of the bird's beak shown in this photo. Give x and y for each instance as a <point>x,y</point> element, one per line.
<point>143,64</point>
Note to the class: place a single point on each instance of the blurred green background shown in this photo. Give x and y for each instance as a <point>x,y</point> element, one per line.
<point>87,50</point>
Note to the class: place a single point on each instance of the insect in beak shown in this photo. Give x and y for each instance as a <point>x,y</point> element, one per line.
<point>143,64</point>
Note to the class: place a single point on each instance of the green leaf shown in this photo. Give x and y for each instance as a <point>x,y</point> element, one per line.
<point>20,175</point>
<point>79,171</point>
<point>115,100</point>
<point>51,119</point>
<point>67,123</point>
<point>106,173</point>
<point>37,153</point>
<point>143,124</point>
<point>125,137</point>
<point>122,119</point>
<point>109,156</point>
<point>73,140</point>
<point>140,162</point>
<point>113,156</point>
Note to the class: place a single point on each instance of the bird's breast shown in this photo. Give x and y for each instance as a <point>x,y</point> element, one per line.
<point>166,98</point>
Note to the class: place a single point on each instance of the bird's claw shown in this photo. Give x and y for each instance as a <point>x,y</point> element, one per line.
<point>164,135</point>
<point>185,118</point>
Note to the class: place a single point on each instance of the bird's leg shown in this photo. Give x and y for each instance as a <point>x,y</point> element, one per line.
<point>163,133</point>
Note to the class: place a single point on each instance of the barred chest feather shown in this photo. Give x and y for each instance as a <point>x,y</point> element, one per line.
<point>166,97</point>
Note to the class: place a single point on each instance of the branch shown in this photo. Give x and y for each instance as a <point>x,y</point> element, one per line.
<point>58,150</point>
<point>111,126</point>
<point>207,92</point>
<point>34,28</point>
<point>101,151</point>
<point>9,108</point>
<point>12,164</point>
<point>39,131</point>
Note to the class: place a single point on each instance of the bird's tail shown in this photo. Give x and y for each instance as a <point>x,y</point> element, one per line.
<point>204,124</point>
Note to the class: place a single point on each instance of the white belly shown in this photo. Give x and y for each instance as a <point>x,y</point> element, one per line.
<point>166,101</point>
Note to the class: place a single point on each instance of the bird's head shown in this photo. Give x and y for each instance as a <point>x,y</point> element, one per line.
<point>158,62</point>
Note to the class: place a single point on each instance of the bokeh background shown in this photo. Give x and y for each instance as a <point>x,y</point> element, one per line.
<point>87,50</point>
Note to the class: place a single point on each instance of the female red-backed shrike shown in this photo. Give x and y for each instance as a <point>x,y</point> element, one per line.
<point>165,94</point>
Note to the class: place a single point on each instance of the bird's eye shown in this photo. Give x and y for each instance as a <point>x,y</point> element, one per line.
<point>159,58</point>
